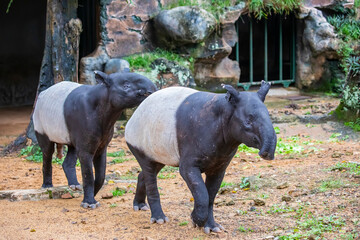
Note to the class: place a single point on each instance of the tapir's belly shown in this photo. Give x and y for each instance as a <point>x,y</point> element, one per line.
<point>48,115</point>
<point>152,127</point>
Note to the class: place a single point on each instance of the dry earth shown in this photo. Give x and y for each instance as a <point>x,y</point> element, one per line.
<point>292,187</point>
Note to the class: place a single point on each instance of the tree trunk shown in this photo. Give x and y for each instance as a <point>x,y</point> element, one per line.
<point>61,53</point>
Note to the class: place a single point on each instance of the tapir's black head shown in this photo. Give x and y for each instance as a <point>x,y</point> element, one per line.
<point>251,123</point>
<point>126,89</point>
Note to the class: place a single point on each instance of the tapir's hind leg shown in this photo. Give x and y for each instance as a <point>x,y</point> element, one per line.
<point>69,168</point>
<point>140,196</point>
<point>47,148</point>
<point>147,182</point>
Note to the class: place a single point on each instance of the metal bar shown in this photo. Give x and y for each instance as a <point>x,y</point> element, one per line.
<point>251,51</point>
<point>266,52</point>
<point>280,50</point>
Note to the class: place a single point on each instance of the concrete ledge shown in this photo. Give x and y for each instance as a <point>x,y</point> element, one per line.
<point>34,194</point>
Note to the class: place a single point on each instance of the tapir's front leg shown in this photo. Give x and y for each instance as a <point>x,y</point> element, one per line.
<point>100,169</point>
<point>193,179</point>
<point>213,183</point>
<point>86,160</point>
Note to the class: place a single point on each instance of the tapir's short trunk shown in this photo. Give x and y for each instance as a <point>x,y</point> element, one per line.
<point>268,147</point>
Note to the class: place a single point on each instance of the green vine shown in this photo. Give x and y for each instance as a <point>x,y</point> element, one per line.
<point>9,5</point>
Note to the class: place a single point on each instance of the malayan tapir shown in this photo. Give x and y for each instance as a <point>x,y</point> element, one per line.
<point>83,117</point>
<point>199,132</point>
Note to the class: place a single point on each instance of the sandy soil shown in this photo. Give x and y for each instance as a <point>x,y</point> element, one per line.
<point>300,175</point>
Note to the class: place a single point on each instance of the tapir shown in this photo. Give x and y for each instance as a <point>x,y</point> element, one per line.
<point>83,117</point>
<point>199,132</point>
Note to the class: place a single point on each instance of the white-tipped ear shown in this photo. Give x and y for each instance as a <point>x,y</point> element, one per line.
<point>102,78</point>
<point>232,95</point>
<point>264,89</point>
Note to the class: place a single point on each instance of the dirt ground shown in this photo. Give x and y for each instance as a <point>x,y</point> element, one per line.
<point>289,186</point>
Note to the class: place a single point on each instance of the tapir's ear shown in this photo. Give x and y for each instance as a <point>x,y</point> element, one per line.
<point>232,95</point>
<point>102,78</point>
<point>264,89</point>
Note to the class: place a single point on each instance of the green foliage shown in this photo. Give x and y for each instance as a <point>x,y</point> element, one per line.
<point>288,146</point>
<point>167,172</point>
<point>261,9</point>
<point>227,184</point>
<point>315,226</point>
<point>184,223</point>
<point>277,130</point>
<point>9,5</point>
<point>119,157</point>
<point>243,229</point>
<point>330,184</point>
<point>354,125</point>
<point>215,7</point>
<point>34,153</point>
<point>142,61</point>
<point>120,153</point>
<point>113,205</point>
<point>351,98</point>
<point>118,192</point>
<point>351,167</point>
<point>245,183</point>
<point>243,148</point>
<point>279,209</point>
<point>347,28</point>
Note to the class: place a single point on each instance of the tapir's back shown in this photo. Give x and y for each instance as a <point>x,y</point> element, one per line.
<point>152,127</point>
<point>48,114</point>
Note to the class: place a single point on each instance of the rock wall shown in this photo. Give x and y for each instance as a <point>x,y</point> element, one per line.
<point>316,46</point>
<point>140,26</point>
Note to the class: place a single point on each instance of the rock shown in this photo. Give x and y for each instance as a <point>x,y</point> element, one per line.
<point>230,203</point>
<point>297,193</point>
<point>286,198</point>
<point>210,75</point>
<point>283,185</point>
<point>259,202</point>
<point>126,26</point>
<point>66,196</point>
<point>252,208</point>
<point>116,65</point>
<point>318,45</point>
<point>64,210</point>
<point>169,73</point>
<point>107,196</point>
<point>183,25</point>
<point>336,155</point>
<point>90,63</point>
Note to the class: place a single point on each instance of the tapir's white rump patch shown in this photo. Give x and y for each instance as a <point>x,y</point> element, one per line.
<point>152,127</point>
<point>48,115</point>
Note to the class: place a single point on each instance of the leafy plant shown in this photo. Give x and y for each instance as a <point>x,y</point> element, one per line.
<point>243,229</point>
<point>330,184</point>
<point>277,130</point>
<point>354,125</point>
<point>245,183</point>
<point>261,9</point>
<point>143,61</point>
<point>351,167</point>
<point>120,153</point>
<point>279,209</point>
<point>113,205</point>
<point>184,223</point>
<point>118,192</point>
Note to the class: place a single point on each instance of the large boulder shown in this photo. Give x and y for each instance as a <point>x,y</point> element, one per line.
<point>317,45</point>
<point>88,64</point>
<point>169,73</point>
<point>183,25</point>
<point>116,65</point>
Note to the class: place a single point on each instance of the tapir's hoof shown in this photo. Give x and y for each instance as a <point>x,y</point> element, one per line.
<point>142,206</point>
<point>75,187</point>
<point>91,206</point>
<point>160,220</point>
<point>217,229</point>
